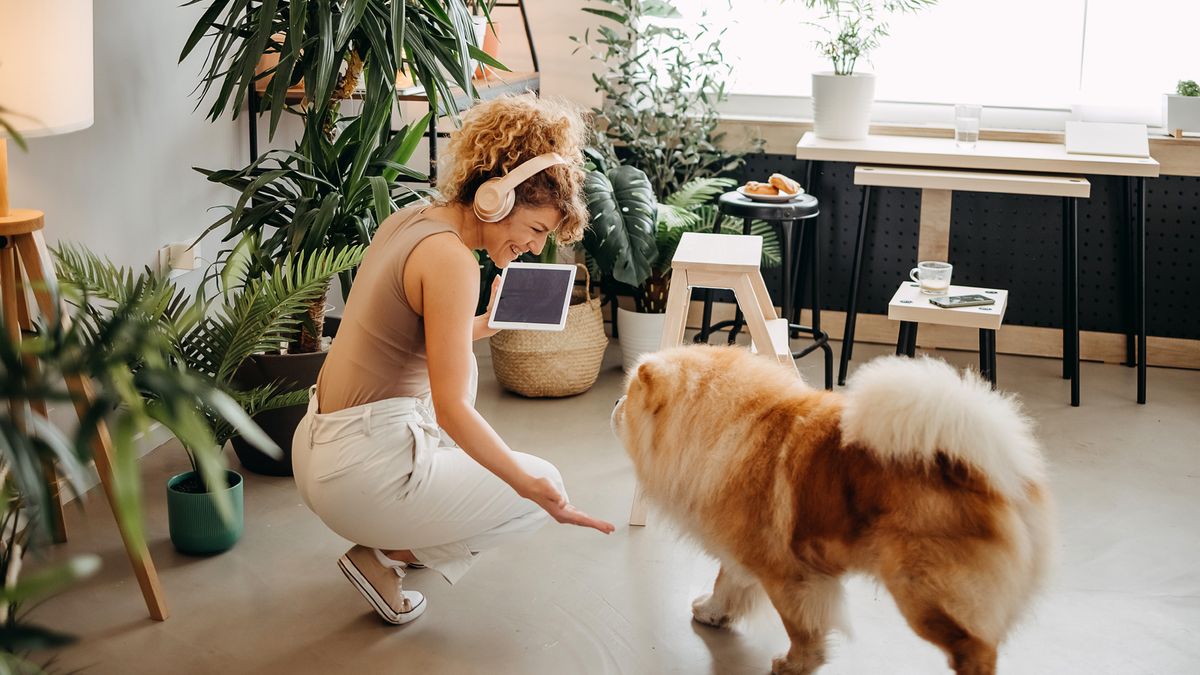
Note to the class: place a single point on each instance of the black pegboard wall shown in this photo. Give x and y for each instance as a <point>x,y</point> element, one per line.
<point>1013,242</point>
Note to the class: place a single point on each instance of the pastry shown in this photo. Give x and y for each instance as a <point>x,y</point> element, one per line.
<point>756,188</point>
<point>784,184</point>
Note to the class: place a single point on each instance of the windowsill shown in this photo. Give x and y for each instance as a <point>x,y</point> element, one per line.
<point>1177,157</point>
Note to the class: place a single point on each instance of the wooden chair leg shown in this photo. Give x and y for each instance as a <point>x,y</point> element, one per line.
<point>36,259</point>
<point>746,294</point>
<point>58,523</point>
<point>637,513</point>
<point>675,322</point>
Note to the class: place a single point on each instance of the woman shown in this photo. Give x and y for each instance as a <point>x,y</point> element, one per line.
<point>392,454</point>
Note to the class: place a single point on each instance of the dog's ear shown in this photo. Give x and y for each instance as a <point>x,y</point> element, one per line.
<point>648,369</point>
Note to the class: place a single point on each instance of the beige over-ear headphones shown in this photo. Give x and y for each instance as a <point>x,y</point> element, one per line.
<point>497,196</point>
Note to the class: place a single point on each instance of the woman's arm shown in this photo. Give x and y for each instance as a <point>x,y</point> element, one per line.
<point>479,325</point>
<point>447,277</point>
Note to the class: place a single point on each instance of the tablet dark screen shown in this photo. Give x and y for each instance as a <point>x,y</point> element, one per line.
<point>533,295</point>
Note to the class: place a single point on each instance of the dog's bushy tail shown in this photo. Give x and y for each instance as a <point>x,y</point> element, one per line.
<point>911,409</point>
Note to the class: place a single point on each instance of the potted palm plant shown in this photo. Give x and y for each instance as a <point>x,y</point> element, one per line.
<point>342,177</point>
<point>214,337</point>
<point>842,97</point>
<point>97,343</point>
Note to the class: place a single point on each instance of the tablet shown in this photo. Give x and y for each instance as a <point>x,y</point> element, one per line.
<point>533,296</point>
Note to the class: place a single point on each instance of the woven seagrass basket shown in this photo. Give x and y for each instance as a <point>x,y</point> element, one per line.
<point>545,364</point>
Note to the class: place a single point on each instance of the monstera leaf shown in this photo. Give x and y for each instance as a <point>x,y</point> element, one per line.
<point>623,215</point>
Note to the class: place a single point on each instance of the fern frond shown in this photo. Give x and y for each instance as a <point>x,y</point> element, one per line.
<point>671,217</point>
<point>268,311</point>
<point>699,191</point>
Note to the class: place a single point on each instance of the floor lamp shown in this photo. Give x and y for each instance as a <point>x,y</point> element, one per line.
<point>46,89</point>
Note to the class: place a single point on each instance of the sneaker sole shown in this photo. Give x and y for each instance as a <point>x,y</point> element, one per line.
<point>381,607</point>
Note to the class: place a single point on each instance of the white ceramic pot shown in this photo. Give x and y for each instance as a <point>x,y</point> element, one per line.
<point>640,333</point>
<point>842,105</point>
<point>479,24</point>
<point>1181,112</point>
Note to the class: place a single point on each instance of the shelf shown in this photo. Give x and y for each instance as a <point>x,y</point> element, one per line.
<point>489,87</point>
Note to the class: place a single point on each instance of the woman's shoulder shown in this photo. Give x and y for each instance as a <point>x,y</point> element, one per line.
<point>444,250</point>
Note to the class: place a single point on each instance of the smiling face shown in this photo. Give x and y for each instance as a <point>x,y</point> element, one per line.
<point>525,229</point>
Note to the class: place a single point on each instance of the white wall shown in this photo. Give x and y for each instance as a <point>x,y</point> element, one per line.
<point>553,22</point>
<point>125,186</point>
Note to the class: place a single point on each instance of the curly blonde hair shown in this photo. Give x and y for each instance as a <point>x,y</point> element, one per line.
<point>498,135</point>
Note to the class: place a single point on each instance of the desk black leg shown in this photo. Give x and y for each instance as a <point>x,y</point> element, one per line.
<point>911,348</point>
<point>1140,291</point>
<point>1071,291</point>
<point>1066,287</point>
<point>852,302</point>
<point>1130,261</point>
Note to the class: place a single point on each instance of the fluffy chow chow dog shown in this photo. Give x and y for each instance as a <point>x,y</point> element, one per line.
<point>920,477</point>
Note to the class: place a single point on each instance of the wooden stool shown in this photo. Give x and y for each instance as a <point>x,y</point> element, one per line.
<point>911,307</point>
<point>720,261</point>
<point>23,255</point>
<point>796,222</point>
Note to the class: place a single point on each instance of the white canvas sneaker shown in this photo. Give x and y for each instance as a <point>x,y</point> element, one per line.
<point>381,585</point>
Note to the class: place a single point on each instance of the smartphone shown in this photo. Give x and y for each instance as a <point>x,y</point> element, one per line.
<point>954,301</point>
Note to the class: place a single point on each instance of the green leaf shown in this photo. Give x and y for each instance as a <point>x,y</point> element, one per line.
<point>45,582</point>
<point>623,215</point>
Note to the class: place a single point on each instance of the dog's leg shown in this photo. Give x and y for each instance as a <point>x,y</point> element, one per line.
<point>923,603</point>
<point>810,608</point>
<point>732,597</point>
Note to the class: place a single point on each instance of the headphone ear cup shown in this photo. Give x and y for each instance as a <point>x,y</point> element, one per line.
<point>493,202</point>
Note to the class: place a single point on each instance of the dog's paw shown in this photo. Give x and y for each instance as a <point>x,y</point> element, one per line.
<point>785,666</point>
<point>782,666</point>
<point>705,610</point>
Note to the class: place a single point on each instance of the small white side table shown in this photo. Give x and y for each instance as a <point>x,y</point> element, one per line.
<point>911,307</point>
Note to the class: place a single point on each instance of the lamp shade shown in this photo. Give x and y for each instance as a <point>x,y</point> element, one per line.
<point>46,66</point>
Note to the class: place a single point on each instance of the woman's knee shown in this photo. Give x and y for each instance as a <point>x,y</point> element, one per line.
<point>541,468</point>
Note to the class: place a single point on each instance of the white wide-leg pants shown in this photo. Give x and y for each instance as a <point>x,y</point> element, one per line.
<point>384,475</point>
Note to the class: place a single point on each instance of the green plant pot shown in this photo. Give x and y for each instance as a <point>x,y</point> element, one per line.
<point>196,526</point>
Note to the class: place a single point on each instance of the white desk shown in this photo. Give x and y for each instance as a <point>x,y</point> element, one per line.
<point>987,155</point>
<point>1013,156</point>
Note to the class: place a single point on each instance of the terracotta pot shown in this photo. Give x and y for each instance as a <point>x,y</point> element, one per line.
<point>491,47</point>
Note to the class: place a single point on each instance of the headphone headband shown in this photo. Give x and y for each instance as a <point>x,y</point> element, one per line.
<point>526,170</point>
<point>496,197</point>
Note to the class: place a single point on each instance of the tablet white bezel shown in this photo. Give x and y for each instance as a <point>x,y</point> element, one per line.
<point>521,325</point>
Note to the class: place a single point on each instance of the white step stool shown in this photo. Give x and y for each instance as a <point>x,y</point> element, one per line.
<point>911,307</point>
<point>730,261</point>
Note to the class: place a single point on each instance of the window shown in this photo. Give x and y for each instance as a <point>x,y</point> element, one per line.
<point>1031,62</point>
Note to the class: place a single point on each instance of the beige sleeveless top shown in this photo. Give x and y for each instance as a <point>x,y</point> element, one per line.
<point>379,352</point>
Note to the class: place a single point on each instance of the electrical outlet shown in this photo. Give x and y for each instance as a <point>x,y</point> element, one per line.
<point>179,257</point>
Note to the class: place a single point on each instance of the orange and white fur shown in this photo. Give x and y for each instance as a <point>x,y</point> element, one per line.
<point>923,478</point>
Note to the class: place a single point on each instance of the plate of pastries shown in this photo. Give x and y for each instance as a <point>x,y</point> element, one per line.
<point>778,188</point>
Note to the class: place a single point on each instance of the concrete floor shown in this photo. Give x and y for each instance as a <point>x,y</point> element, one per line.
<point>1125,597</point>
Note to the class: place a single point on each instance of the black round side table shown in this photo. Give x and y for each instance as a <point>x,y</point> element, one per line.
<point>786,217</point>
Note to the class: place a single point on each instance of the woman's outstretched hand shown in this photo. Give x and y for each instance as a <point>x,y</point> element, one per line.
<point>542,492</point>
